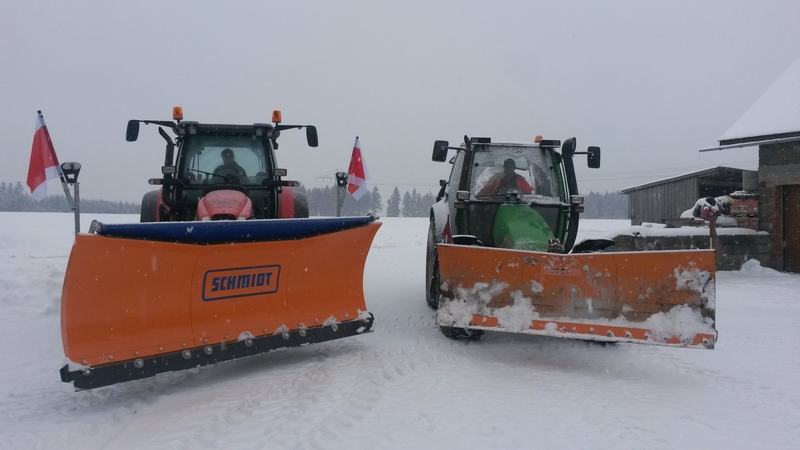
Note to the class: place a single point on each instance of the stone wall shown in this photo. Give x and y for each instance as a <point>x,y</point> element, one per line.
<point>778,165</point>
<point>733,250</point>
<point>745,211</point>
<point>771,215</point>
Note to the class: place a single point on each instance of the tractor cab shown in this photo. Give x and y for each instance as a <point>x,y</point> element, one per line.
<point>511,195</point>
<point>221,172</point>
<point>233,159</point>
<point>512,186</point>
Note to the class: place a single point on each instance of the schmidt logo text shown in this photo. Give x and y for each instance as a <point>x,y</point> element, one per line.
<point>220,284</point>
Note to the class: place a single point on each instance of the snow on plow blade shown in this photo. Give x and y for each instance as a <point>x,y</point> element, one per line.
<point>664,298</point>
<point>142,299</point>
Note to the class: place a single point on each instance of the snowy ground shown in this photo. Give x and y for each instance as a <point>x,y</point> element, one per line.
<point>406,385</point>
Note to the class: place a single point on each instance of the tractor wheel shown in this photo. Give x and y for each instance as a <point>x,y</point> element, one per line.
<point>432,270</point>
<point>149,207</point>
<point>461,333</point>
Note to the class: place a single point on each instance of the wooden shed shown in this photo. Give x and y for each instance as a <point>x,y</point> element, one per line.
<point>663,200</point>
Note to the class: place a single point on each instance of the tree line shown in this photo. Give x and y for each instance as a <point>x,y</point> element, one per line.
<point>321,201</point>
<point>410,205</point>
<point>605,205</point>
<point>15,197</point>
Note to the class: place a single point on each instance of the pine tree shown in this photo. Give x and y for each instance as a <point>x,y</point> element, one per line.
<point>376,202</point>
<point>406,206</point>
<point>3,197</point>
<point>415,204</point>
<point>393,205</point>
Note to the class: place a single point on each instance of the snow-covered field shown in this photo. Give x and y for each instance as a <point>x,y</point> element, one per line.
<point>406,385</point>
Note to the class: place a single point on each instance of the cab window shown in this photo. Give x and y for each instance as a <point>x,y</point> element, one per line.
<point>500,169</point>
<point>204,161</point>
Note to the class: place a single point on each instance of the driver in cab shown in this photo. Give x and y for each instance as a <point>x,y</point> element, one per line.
<point>506,180</point>
<point>229,166</point>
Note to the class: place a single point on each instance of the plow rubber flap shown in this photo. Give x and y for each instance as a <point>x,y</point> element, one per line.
<point>662,298</point>
<point>140,300</point>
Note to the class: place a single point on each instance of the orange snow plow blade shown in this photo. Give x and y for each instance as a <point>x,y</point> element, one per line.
<point>664,298</point>
<point>140,304</point>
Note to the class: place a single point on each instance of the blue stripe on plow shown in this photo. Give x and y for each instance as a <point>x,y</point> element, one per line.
<point>226,231</point>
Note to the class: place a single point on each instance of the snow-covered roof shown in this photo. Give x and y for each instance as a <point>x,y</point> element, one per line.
<point>775,113</point>
<point>698,173</point>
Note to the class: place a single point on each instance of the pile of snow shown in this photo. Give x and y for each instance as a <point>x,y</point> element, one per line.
<point>753,267</point>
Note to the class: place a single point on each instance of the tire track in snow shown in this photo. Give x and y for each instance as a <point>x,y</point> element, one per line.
<point>318,392</point>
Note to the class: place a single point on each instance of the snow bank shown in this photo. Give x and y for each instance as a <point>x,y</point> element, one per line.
<point>753,267</point>
<point>399,386</point>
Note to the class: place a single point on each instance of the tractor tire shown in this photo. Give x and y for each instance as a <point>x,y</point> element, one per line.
<point>149,207</point>
<point>461,333</point>
<point>432,270</point>
<point>300,205</point>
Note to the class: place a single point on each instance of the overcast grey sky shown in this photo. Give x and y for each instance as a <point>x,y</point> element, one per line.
<point>648,82</point>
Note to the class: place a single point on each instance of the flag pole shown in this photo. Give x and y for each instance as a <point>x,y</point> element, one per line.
<point>73,204</point>
<point>68,172</point>
<point>70,201</point>
<point>341,183</point>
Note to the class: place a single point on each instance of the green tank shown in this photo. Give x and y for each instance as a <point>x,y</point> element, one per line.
<point>520,227</point>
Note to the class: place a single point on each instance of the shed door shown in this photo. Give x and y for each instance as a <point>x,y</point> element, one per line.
<point>791,228</point>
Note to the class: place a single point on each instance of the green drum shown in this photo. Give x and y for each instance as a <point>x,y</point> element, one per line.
<point>520,227</point>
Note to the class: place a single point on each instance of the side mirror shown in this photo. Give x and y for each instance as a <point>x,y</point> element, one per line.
<point>568,149</point>
<point>311,136</point>
<point>593,158</point>
<point>132,133</point>
<point>440,151</point>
